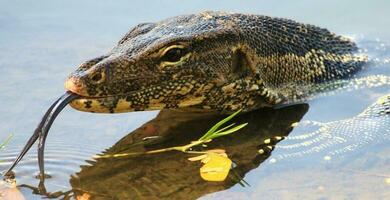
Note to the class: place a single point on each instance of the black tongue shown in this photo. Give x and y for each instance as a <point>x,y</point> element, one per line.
<point>42,130</point>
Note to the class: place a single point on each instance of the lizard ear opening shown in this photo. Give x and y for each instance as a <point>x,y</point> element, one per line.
<point>241,66</point>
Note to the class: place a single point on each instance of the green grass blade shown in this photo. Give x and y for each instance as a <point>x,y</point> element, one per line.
<point>232,130</point>
<point>6,141</point>
<point>216,126</point>
<point>224,128</point>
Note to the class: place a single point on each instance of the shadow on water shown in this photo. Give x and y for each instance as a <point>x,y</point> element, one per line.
<point>170,175</point>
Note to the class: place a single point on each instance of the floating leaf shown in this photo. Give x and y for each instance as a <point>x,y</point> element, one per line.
<point>196,158</point>
<point>216,168</point>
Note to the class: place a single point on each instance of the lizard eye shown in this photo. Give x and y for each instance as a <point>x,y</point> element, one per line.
<point>173,54</point>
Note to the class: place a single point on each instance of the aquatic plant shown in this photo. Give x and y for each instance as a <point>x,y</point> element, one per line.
<point>2,145</point>
<point>216,163</point>
<point>212,133</point>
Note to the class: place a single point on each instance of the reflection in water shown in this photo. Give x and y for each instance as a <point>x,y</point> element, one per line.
<point>170,175</point>
<point>339,137</point>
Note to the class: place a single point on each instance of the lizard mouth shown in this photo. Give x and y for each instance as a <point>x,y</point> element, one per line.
<point>115,104</point>
<point>127,102</point>
<point>104,104</point>
<point>96,104</point>
<point>150,98</point>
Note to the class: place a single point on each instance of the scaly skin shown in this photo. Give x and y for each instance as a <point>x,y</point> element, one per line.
<point>213,61</point>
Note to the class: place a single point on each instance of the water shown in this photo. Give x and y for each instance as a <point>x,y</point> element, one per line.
<point>41,43</point>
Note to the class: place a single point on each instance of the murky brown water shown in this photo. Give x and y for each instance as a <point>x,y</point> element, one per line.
<point>41,43</point>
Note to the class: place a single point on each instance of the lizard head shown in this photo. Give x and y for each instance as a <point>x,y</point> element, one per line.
<point>186,61</point>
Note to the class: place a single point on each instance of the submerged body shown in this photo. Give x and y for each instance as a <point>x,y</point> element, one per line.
<point>213,61</point>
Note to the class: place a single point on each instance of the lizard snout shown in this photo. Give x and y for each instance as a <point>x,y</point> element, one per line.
<point>75,85</point>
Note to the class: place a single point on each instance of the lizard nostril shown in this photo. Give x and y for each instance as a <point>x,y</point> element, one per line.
<point>98,77</point>
<point>75,85</point>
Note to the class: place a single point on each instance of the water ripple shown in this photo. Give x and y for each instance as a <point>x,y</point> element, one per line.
<point>61,160</point>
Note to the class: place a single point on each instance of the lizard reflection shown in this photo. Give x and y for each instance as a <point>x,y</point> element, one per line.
<point>170,175</point>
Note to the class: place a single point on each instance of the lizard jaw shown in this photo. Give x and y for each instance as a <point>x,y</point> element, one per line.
<point>105,104</point>
<point>113,104</point>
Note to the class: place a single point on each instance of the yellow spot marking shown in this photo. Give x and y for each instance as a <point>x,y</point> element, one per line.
<point>122,105</point>
<point>155,104</point>
<point>295,124</point>
<point>79,104</point>
<point>261,151</point>
<point>278,138</point>
<point>185,89</point>
<point>229,88</point>
<point>191,101</point>
<point>254,87</point>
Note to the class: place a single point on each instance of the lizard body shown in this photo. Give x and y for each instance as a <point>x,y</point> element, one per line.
<point>213,61</point>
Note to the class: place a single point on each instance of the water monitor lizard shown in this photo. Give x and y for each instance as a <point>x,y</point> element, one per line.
<point>214,61</point>
<point>211,61</point>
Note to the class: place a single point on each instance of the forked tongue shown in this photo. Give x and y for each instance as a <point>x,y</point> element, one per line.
<point>41,132</point>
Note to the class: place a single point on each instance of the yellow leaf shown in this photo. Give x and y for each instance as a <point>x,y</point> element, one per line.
<point>206,159</point>
<point>196,158</point>
<point>216,168</point>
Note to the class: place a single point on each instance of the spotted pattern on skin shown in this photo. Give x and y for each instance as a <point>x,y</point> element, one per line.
<point>214,61</point>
